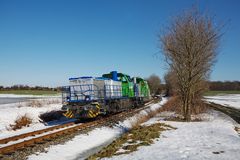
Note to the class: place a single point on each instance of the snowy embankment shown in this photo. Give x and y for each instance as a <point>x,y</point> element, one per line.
<point>82,146</point>
<point>213,138</point>
<point>231,100</point>
<point>10,112</point>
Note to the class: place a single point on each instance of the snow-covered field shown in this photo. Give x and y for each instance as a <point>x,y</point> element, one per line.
<point>26,96</point>
<point>231,100</point>
<point>82,146</point>
<point>214,138</point>
<point>10,112</point>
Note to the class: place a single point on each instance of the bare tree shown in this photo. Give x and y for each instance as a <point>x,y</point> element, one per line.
<point>190,46</point>
<point>170,81</point>
<point>154,83</point>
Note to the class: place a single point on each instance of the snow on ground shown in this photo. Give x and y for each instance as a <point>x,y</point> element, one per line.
<point>26,96</point>
<point>214,138</point>
<point>82,146</point>
<point>231,100</point>
<point>10,112</point>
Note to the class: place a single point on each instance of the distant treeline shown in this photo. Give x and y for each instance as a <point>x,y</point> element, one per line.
<point>26,87</point>
<point>224,86</point>
<point>213,86</point>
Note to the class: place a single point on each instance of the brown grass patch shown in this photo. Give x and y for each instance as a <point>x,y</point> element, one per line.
<point>21,121</point>
<point>138,136</point>
<point>41,103</point>
<point>130,141</point>
<point>180,118</point>
<point>143,118</point>
<point>174,105</point>
<point>237,129</point>
<point>34,103</point>
<point>52,101</point>
<point>19,105</point>
<point>200,107</point>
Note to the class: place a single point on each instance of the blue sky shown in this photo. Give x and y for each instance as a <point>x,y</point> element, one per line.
<point>45,42</point>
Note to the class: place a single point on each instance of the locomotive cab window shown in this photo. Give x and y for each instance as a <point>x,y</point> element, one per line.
<point>123,79</point>
<point>128,79</point>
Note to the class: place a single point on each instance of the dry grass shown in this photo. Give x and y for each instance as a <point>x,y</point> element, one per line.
<point>144,135</point>
<point>52,101</point>
<point>34,103</point>
<point>143,118</point>
<point>21,121</point>
<point>174,105</point>
<point>41,103</point>
<point>51,116</point>
<point>19,105</point>
<point>171,105</point>
<point>180,118</point>
<point>130,141</point>
<point>237,129</point>
<point>200,107</point>
<point>139,135</point>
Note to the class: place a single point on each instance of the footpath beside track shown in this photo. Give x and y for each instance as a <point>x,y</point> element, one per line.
<point>232,112</point>
<point>11,144</point>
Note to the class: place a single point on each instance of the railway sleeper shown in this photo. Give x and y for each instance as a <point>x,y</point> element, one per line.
<point>19,145</point>
<point>38,140</point>
<point>29,143</point>
<point>7,150</point>
<point>46,137</point>
<point>4,141</point>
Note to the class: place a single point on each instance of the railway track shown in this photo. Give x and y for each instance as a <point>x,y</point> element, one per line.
<point>232,112</point>
<point>11,144</point>
<point>34,133</point>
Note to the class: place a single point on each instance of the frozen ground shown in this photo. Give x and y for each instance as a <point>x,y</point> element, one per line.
<point>10,112</point>
<point>84,145</point>
<point>231,100</point>
<point>26,96</point>
<point>214,138</point>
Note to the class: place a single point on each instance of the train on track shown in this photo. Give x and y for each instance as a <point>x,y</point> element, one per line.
<point>88,97</point>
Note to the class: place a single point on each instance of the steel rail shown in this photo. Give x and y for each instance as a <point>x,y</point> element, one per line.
<point>34,133</point>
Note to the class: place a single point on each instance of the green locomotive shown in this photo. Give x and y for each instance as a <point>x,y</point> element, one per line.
<point>87,97</point>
